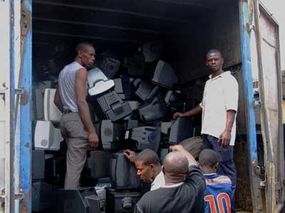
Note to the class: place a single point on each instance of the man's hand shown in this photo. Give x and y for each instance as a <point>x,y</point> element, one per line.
<point>177,148</point>
<point>225,138</point>
<point>130,155</point>
<point>177,114</point>
<point>93,140</point>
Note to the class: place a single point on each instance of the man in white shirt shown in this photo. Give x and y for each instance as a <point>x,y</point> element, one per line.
<point>148,167</point>
<point>218,108</point>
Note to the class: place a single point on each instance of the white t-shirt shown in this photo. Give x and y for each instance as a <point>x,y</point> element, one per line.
<point>220,95</point>
<point>158,182</point>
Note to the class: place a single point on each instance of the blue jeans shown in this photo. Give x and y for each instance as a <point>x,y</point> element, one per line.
<point>227,165</point>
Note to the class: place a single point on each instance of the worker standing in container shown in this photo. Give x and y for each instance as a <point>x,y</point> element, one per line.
<point>219,109</point>
<point>76,125</point>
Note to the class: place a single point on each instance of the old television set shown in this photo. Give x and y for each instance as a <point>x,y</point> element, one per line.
<point>51,112</point>
<point>46,136</point>
<point>123,173</point>
<point>164,75</point>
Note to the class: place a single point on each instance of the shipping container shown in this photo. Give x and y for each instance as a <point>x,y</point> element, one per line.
<point>38,37</point>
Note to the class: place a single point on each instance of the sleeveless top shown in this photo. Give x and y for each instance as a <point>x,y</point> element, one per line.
<point>66,83</point>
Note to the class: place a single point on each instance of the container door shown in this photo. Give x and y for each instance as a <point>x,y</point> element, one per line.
<point>268,85</point>
<point>4,103</point>
<point>15,98</point>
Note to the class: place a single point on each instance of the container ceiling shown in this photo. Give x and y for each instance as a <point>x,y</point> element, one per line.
<point>116,21</point>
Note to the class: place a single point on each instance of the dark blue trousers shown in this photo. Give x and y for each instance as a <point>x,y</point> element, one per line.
<point>227,165</point>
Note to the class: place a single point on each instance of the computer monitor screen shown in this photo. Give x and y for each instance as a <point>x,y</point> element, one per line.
<point>164,75</point>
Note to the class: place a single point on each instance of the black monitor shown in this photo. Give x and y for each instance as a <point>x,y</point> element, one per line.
<point>43,197</point>
<point>146,137</point>
<point>111,134</point>
<point>113,106</point>
<point>121,201</point>
<point>154,110</point>
<point>123,87</point>
<point>146,91</point>
<point>38,164</point>
<point>98,163</point>
<point>181,129</point>
<point>123,173</point>
<point>164,75</point>
<point>80,200</point>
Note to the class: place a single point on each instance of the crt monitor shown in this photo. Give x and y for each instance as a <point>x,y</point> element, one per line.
<point>164,75</point>
<point>51,112</point>
<point>123,173</point>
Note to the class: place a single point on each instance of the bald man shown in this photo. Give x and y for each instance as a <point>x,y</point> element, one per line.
<point>184,186</point>
<point>76,125</point>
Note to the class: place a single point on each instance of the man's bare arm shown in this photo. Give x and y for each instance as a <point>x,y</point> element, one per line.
<point>80,90</point>
<point>195,111</point>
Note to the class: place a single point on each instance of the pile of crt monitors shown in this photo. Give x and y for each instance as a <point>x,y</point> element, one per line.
<point>132,111</point>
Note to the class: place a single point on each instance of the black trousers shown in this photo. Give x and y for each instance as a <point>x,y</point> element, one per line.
<point>227,165</point>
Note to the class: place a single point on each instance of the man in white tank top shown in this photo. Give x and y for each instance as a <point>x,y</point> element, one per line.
<point>76,125</point>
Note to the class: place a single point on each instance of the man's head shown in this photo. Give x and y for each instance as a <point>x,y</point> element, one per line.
<point>209,161</point>
<point>214,60</point>
<point>85,53</point>
<point>148,165</point>
<point>175,167</point>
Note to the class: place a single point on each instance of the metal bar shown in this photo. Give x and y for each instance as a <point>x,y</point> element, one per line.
<point>95,25</point>
<point>25,114</point>
<point>267,142</point>
<point>9,160</point>
<point>187,3</point>
<point>4,102</point>
<point>123,12</point>
<point>84,36</point>
<point>249,100</point>
<point>280,151</point>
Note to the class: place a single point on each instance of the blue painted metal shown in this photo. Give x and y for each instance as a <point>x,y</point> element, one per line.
<point>25,117</point>
<point>248,98</point>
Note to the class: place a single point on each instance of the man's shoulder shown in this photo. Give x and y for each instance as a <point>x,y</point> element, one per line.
<point>228,75</point>
<point>220,179</point>
<point>74,66</point>
<point>152,195</point>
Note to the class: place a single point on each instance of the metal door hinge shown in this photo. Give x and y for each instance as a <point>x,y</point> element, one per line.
<point>19,91</point>
<point>3,91</point>
<point>18,196</point>
<point>24,97</point>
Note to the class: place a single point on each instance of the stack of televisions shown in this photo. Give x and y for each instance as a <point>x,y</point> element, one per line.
<point>129,113</point>
<point>47,142</point>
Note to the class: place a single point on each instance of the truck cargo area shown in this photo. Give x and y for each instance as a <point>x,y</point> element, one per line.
<point>176,32</point>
